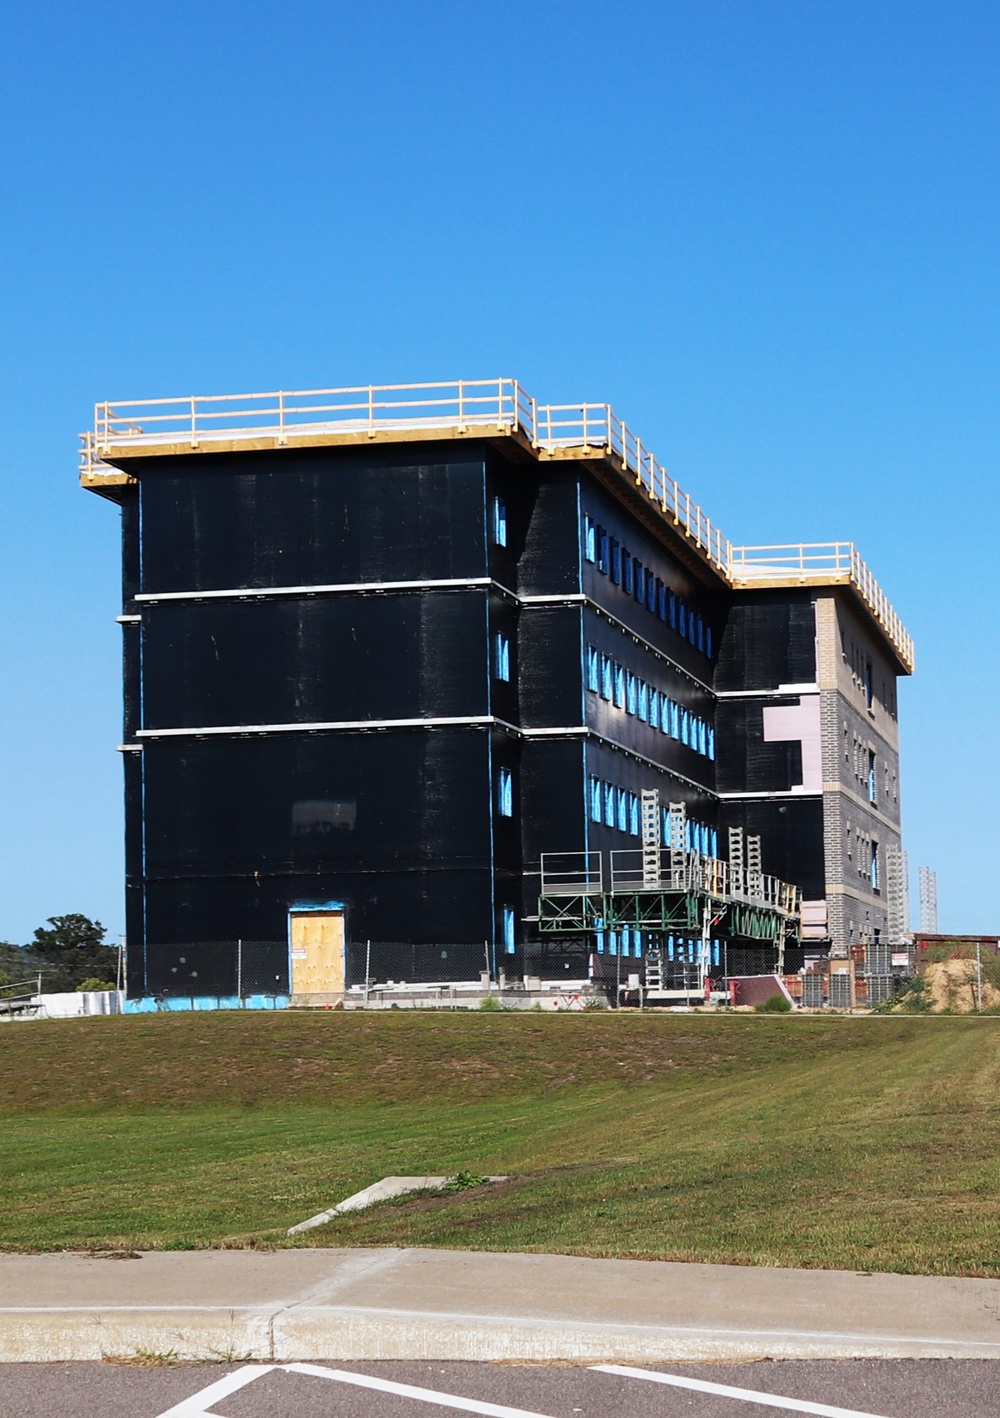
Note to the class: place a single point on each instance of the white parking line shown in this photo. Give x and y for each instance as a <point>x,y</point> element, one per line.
<point>423,1395</point>
<point>197,1405</point>
<point>749,1395</point>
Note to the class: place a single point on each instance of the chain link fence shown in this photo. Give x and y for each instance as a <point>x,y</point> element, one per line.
<point>216,969</point>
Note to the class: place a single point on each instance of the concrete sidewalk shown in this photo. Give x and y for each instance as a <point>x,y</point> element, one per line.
<point>423,1304</point>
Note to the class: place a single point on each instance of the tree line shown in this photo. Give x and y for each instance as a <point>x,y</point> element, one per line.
<point>69,952</point>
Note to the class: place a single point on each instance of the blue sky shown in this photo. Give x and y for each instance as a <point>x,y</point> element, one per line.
<point>765,232</point>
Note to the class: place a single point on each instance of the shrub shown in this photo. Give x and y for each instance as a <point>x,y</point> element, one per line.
<point>776,1004</point>
<point>93,983</point>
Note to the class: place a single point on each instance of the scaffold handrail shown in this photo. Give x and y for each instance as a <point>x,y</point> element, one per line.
<point>818,561</point>
<point>709,876</point>
<point>572,874</point>
<point>461,405</point>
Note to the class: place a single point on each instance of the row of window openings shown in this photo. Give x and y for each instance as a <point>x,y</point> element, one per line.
<point>636,580</point>
<point>621,687</point>
<point>682,949</point>
<point>867,859</point>
<point>617,807</point>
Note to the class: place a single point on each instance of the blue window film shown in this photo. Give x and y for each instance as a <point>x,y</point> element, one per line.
<point>607,677</point>
<point>619,686</point>
<point>701,633</point>
<point>612,942</point>
<point>616,561</point>
<point>500,521</point>
<point>714,842</point>
<point>708,641</point>
<point>505,793</point>
<point>661,600</point>
<point>691,627</point>
<point>602,550</point>
<point>681,616</point>
<point>643,709</point>
<point>628,579</point>
<point>702,737</point>
<point>595,799</point>
<point>672,609</point>
<point>503,657</point>
<point>640,582</point>
<point>675,720</point>
<point>622,804</point>
<point>508,929</point>
<point>631,701</point>
<point>593,669</point>
<point>687,835</point>
<point>651,592</point>
<point>633,814</point>
<point>711,743</point>
<point>589,540</point>
<point>609,805</point>
<point>685,721</point>
<point>874,866</point>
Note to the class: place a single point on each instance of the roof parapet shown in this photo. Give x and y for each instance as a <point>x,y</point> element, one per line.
<point>478,408</point>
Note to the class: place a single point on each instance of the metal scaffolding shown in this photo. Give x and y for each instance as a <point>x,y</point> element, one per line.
<point>928,901</point>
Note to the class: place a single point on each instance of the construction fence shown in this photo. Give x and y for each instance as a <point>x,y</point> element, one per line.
<point>247,969</point>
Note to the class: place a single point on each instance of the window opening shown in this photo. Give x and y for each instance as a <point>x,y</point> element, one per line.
<point>505,793</point>
<point>508,930</point>
<point>500,521</point>
<point>607,677</point>
<point>503,658</point>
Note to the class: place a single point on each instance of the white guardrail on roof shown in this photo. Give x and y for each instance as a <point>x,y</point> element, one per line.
<point>284,417</point>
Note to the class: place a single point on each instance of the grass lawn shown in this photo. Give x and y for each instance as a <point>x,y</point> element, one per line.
<point>867,1144</point>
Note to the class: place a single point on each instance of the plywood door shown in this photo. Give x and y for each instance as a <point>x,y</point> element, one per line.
<point>317,941</point>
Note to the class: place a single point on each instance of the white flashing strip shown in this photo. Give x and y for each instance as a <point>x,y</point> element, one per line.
<point>568,731</point>
<point>782,793</point>
<point>197,1405</point>
<point>422,1395</point>
<point>653,763</point>
<point>647,644</point>
<point>568,598</point>
<point>781,689</point>
<point>262,592</point>
<point>467,720</point>
<point>127,619</point>
<point>748,1395</point>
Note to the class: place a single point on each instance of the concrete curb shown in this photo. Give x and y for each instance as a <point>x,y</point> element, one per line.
<point>364,1305</point>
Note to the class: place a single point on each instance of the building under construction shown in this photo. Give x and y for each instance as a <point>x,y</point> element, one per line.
<point>438,664</point>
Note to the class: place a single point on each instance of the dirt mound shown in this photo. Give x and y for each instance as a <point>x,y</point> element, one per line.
<point>951,984</point>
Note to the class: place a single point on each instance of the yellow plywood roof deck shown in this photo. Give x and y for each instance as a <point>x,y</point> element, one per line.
<point>493,409</point>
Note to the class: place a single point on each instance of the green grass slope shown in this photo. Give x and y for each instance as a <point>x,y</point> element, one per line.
<point>865,1144</point>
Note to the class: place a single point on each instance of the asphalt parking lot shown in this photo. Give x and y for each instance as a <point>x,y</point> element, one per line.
<point>863,1388</point>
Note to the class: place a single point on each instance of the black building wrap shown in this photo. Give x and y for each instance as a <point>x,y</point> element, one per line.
<point>364,676</point>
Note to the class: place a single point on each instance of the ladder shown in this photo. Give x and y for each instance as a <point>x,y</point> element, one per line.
<point>755,877</point>
<point>650,809</point>
<point>678,846</point>
<point>737,869</point>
